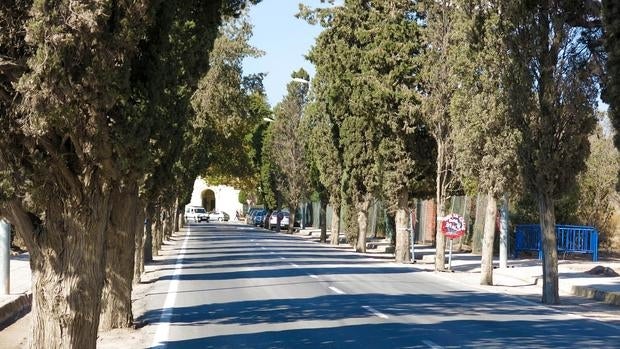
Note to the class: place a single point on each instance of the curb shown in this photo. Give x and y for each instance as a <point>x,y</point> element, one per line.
<point>14,309</point>
<point>612,298</point>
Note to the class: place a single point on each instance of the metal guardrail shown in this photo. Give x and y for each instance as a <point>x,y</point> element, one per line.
<point>570,239</point>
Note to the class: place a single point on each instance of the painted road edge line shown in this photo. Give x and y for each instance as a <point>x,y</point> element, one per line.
<point>337,290</point>
<point>432,345</point>
<point>375,312</point>
<point>163,329</point>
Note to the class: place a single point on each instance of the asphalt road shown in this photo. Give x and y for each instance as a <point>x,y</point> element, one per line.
<point>233,286</point>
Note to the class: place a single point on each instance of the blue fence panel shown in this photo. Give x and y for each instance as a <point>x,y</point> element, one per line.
<point>570,239</point>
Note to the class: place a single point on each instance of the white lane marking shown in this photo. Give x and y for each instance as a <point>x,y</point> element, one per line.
<point>163,329</point>
<point>263,248</point>
<point>252,240</point>
<point>337,290</point>
<point>271,252</point>
<point>432,345</point>
<point>313,276</point>
<point>282,258</point>
<point>295,265</point>
<point>375,312</point>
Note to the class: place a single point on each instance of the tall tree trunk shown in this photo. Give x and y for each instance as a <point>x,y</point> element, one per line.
<point>440,197</point>
<point>403,247</point>
<point>157,231</point>
<point>486,264</point>
<point>177,215</point>
<point>335,229</point>
<point>291,220</point>
<point>169,223</point>
<point>440,239</point>
<point>120,254</point>
<point>362,222</point>
<point>67,260</point>
<point>550,252</point>
<point>148,233</point>
<point>139,255</point>
<point>323,220</point>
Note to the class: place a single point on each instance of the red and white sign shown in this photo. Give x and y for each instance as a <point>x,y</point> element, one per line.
<point>453,226</point>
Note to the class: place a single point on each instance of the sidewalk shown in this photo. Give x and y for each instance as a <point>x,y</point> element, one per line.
<point>523,276</point>
<point>18,301</point>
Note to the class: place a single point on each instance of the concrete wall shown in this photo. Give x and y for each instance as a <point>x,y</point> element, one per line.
<point>226,197</point>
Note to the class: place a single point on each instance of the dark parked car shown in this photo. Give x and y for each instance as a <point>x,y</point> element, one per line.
<point>258,217</point>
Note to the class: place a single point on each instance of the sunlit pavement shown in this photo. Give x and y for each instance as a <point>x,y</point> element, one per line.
<point>234,286</point>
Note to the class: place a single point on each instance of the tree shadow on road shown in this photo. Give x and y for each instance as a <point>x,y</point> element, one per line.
<point>438,316</point>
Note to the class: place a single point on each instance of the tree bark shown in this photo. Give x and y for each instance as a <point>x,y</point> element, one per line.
<point>323,220</point>
<point>157,231</point>
<point>120,254</point>
<point>139,240</point>
<point>335,229</point>
<point>176,213</point>
<point>441,186</point>
<point>67,262</point>
<point>550,252</point>
<point>486,264</point>
<point>362,222</point>
<point>403,247</point>
<point>440,239</point>
<point>166,223</point>
<point>148,233</point>
<point>181,220</point>
<point>291,220</point>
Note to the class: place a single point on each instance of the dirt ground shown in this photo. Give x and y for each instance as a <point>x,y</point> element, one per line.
<point>16,335</point>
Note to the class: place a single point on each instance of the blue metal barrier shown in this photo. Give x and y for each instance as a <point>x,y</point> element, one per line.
<point>570,239</point>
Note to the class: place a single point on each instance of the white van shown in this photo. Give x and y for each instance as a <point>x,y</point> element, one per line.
<point>196,214</point>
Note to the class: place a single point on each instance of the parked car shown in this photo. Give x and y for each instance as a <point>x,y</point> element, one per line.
<point>265,222</point>
<point>285,220</point>
<point>219,216</point>
<point>258,217</point>
<point>196,214</point>
<point>250,214</point>
<point>273,219</point>
<point>284,223</point>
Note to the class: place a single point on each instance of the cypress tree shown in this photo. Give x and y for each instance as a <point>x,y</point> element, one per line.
<point>552,97</point>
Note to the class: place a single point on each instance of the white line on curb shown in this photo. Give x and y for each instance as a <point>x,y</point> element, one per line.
<point>337,290</point>
<point>163,329</point>
<point>375,312</point>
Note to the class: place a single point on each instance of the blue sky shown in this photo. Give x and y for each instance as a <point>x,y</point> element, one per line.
<point>285,40</point>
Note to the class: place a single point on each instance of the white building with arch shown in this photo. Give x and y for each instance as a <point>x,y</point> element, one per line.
<point>216,197</point>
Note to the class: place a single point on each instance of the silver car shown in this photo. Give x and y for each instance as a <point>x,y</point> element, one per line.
<point>219,216</point>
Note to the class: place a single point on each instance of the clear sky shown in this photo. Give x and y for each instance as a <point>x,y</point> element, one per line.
<point>285,40</point>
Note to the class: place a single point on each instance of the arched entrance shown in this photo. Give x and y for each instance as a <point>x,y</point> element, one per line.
<point>208,199</point>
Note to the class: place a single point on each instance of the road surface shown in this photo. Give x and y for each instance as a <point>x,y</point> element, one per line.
<point>234,286</point>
